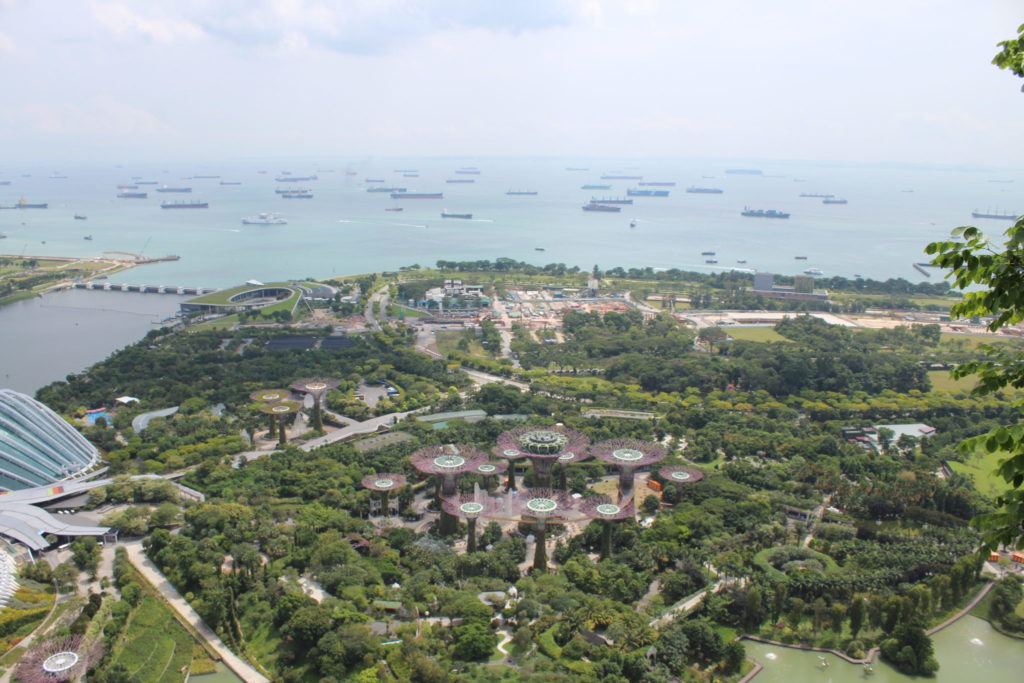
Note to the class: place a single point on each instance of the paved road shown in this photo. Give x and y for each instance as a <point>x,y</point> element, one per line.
<point>366,427</point>
<point>487,378</point>
<point>181,606</point>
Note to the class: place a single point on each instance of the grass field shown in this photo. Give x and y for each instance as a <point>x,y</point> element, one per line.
<point>942,381</point>
<point>757,334</point>
<point>155,647</point>
<point>981,468</point>
<point>448,341</point>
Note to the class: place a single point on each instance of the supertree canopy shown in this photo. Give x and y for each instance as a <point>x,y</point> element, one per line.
<point>602,508</point>
<point>540,507</point>
<point>384,484</point>
<point>270,395</point>
<point>64,659</point>
<point>543,446</point>
<point>680,475</point>
<point>489,469</point>
<point>470,507</point>
<point>317,387</point>
<point>628,455</point>
<point>447,462</point>
<point>279,411</point>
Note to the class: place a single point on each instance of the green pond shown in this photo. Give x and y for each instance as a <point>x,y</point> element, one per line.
<point>969,650</point>
<point>221,675</point>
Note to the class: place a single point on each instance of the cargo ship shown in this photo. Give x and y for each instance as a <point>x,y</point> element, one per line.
<point>521,192</point>
<point>184,204</point>
<point>763,213</point>
<point>647,193</point>
<point>468,171</point>
<point>610,201</point>
<point>385,189</point>
<point>25,204</point>
<point>744,171</point>
<point>461,180</point>
<point>417,195</point>
<point>622,177</point>
<point>576,168</point>
<point>289,190</point>
<point>181,190</point>
<point>145,182</point>
<point>601,207</point>
<point>5,182</point>
<point>264,219</point>
<point>80,216</point>
<point>230,182</point>
<point>293,178</point>
<point>206,177</point>
<point>410,175</point>
<point>704,190</point>
<point>707,253</point>
<point>407,170</point>
<point>449,214</point>
<point>132,195</point>
<point>817,194</point>
<point>596,187</point>
<point>127,187</point>
<point>997,216</point>
<point>655,184</point>
<point>369,180</point>
<point>833,200</point>
<point>297,195</point>
<point>814,271</point>
<point>395,208</point>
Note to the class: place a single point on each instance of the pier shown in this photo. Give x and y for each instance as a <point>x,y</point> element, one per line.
<point>143,289</point>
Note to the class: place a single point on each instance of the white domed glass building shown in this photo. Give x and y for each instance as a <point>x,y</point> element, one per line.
<point>37,446</point>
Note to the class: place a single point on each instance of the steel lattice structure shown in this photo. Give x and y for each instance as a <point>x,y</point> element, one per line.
<point>540,507</point>
<point>316,387</point>
<point>64,659</point>
<point>679,474</point>
<point>628,455</point>
<point>602,508</point>
<point>384,482</point>
<point>543,446</point>
<point>470,507</point>
<point>447,463</point>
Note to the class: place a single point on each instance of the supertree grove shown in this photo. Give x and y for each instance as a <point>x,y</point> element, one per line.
<point>543,446</point>
<point>447,463</point>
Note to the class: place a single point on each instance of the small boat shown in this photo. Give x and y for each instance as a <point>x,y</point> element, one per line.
<point>800,258</point>
<point>88,237</point>
<point>710,260</point>
<point>395,208</point>
<point>632,224</point>
<point>834,200</point>
<point>80,216</point>
<point>707,253</point>
<point>741,261</point>
<point>538,249</point>
<point>814,271</point>
<point>264,219</point>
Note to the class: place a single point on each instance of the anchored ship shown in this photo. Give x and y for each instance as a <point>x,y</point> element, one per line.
<point>997,216</point>
<point>132,195</point>
<point>264,219</point>
<point>817,194</point>
<point>610,201</point>
<point>385,189</point>
<point>833,200</point>
<point>704,190</point>
<point>25,204</point>
<point>461,180</point>
<point>521,192</point>
<point>184,204</point>
<point>647,193</point>
<point>601,207</point>
<point>596,187</point>
<point>656,184</point>
<point>763,213</point>
<point>293,178</point>
<point>449,214</point>
<point>183,190</point>
<point>297,195</point>
<point>622,177</point>
<point>417,195</point>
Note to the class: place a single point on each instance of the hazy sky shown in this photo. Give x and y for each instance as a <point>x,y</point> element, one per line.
<point>861,80</point>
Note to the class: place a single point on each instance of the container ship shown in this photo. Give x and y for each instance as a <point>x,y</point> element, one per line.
<point>145,182</point>
<point>182,190</point>
<point>417,195</point>
<point>449,214</point>
<point>601,207</point>
<point>647,193</point>
<point>622,177</point>
<point>610,201</point>
<point>596,187</point>
<point>763,213</point>
<point>184,204</point>
<point>654,184</point>
<point>704,190</point>
<point>385,189</point>
<point>132,195</point>
<point>817,194</point>
<point>834,200</point>
<point>521,192</point>
<point>997,216</point>
<point>293,179</point>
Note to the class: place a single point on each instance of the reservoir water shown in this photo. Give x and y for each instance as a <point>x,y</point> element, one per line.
<point>969,650</point>
<point>44,339</point>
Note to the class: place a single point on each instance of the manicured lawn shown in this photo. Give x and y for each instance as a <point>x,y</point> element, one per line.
<point>155,647</point>
<point>757,334</point>
<point>981,468</point>
<point>942,381</point>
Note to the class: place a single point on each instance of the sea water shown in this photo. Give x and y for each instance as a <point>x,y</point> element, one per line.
<point>893,212</point>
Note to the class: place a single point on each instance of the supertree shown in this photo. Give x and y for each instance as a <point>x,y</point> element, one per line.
<point>566,459</point>
<point>64,659</point>
<point>601,507</point>
<point>447,463</point>
<point>470,507</point>
<point>490,469</point>
<point>279,410</point>
<point>270,396</point>
<point>539,507</point>
<point>384,484</point>
<point>628,455</point>
<point>680,475</point>
<point>542,445</point>
<point>316,387</point>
